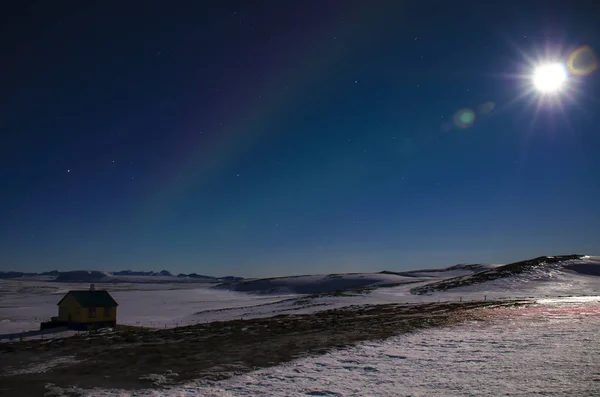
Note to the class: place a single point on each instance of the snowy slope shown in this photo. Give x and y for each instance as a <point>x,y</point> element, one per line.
<point>318,284</point>
<point>448,272</point>
<point>540,277</point>
<point>330,283</point>
<point>24,304</point>
<point>546,349</point>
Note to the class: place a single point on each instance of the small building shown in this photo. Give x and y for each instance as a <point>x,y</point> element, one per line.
<point>87,309</point>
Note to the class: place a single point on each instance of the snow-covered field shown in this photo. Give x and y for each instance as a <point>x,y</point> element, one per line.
<point>23,307</point>
<point>24,304</point>
<point>548,349</point>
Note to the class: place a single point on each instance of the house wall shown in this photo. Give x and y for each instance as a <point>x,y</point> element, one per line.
<point>82,314</point>
<point>100,317</point>
<point>70,305</point>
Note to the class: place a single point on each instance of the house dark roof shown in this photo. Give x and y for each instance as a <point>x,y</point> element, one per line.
<point>92,298</point>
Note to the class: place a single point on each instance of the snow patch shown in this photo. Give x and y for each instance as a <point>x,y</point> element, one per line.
<point>548,349</point>
<point>43,367</point>
<point>160,379</point>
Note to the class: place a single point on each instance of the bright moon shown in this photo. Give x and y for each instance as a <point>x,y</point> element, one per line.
<point>549,78</point>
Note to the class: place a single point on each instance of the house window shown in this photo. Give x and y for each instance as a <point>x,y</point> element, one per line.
<point>92,312</point>
<point>107,311</point>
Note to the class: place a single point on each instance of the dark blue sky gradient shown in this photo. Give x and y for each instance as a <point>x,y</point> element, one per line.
<point>272,138</point>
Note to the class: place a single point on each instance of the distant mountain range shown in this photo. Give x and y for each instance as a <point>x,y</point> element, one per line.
<point>140,273</point>
<point>118,276</point>
<point>423,281</point>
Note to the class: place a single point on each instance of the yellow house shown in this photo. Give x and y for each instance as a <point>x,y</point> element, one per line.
<point>91,309</point>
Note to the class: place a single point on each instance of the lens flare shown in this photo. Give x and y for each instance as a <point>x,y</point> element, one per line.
<point>582,61</point>
<point>464,118</point>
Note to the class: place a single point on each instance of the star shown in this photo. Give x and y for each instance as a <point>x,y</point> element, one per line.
<point>68,170</point>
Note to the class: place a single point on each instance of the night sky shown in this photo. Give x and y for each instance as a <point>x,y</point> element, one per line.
<point>260,138</point>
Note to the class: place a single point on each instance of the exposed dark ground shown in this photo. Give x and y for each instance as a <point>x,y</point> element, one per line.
<point>213,351</point>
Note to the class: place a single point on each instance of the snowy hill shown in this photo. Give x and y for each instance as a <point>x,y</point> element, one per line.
<point>559,273</point>
<point>542,268</point>
<point>140,273</point>
<point>452,271</point>
<point>166,301</point>
<point>457,278</point>
<point>587,265</point>
<point>319,284</point>
<point>328,283</point>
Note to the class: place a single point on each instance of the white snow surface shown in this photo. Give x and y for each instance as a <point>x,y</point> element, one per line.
<point>321,283</point>
<point>555,279</point>
<point>548,349</point>
<point>45,366</point>
<point>453,271</point>
<point>24,304</point>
